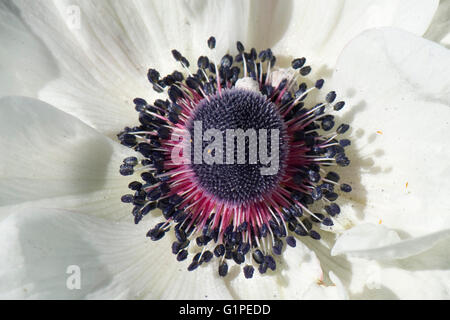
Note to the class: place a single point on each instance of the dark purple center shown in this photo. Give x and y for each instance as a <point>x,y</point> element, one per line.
<point>241,181</point>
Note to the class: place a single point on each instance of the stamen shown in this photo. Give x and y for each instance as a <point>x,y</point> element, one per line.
<point>231,211</point>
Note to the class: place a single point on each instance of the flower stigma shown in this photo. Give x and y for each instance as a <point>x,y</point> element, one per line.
<point>235,158</point>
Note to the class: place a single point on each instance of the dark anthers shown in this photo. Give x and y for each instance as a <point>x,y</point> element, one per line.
<point>209,219</point>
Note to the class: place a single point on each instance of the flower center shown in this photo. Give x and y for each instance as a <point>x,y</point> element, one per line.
<point>235,158</point>
<point>244,120</point>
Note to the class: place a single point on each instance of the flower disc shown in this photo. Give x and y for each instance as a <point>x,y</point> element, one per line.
<point>242,113</point>
<point>254,158</point>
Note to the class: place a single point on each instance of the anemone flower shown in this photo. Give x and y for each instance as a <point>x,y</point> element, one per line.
<point>357,207</point>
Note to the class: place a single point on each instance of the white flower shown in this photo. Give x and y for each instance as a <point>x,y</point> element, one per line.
<point>60,190</point>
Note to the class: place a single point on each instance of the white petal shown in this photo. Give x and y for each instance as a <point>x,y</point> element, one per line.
<point>364,236</point>
<point>187,25</point>
<point>397,103</point>
<point>104,49</point>
<point>423,276</point>
<point>104,203</point>
<point>320,29</point>
<point>439,29</point>
<point>103,61</point>
<point>378,242</point>
<point>115,261</point>
<point>47,153</point>
<point>298,276</point>
<point>99,74</point>
<point>398,276</point>
<point>25,62</point>
<point>336,291</point>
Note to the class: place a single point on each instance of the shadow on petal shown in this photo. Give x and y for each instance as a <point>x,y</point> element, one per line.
<point>436,258</point>
<point>277,15</point>
<point>93,154</point>
<point>25,73</point>
<point>48,245</point>
<point>380,293</point>
<point>339,265</point>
